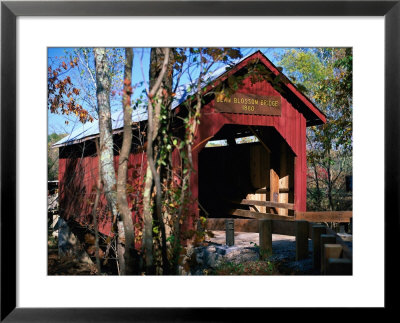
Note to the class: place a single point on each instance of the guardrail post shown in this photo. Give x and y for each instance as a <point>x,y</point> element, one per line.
<point>317,230</point>
<point>230,232</point>
<point>332,251</point>
<point>301,239</point>
<point>265,237</point>
<point>341,266</point>
<point>325,239</point>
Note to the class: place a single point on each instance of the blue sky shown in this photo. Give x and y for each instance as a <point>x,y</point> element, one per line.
<point>56,123</point>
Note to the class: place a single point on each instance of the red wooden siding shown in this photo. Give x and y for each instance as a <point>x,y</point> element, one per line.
<point>77,178</point>
<point>291,125</point>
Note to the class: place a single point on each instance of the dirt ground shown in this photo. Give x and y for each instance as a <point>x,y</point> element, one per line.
<point>67,266</point>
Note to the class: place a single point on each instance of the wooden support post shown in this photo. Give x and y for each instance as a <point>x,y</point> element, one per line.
<point>274,187</point>
<point>284,178</point>
<point>200,226</point>
<point>332,251</point>
<point>265,237</point>
<point>339,266</point>
<point>325,239</point>
<point>317,230</point>
<point>301,240</point>
<point>230,232</point>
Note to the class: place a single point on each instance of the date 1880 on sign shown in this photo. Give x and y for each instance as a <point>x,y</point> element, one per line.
<point>248,104</point>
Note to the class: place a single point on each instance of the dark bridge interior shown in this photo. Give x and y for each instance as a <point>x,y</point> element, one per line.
<point>229,174</point>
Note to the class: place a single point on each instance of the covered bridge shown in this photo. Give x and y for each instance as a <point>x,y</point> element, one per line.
<point>240,178</point>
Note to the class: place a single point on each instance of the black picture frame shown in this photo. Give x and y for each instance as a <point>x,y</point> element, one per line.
<point>10,10</point>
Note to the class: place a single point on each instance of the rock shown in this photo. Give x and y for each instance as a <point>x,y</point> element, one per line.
<point>210,257</point>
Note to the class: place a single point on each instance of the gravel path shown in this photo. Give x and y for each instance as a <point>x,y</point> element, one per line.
<point>283,250</point>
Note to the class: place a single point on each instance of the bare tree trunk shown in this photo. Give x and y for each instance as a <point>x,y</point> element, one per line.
<point>103,84</point>
<point>94,215</point>
<point>329,182</point>
<point>151,172</point>
<point>126,214</point>
<point>319,192</point>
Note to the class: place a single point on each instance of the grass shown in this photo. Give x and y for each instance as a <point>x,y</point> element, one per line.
<point>246,268</point>
<point>52,242</point>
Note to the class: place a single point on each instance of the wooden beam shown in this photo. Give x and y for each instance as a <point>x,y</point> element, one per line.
<point>259,215</point>
<point>241,225</point>
<point>259,139</point>
<point>325,216</point>
<point>266,190</point>
<point>288,206</point>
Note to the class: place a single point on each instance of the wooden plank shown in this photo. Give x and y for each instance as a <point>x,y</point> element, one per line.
<point>325,216</point>
<point>260,140</point>
<point>266,175</point>
<point>241,225</point>
<point>266,190</point>
<point>291,179</point>
<point>247,103</point>
<point>259,215</point>
<point>274,186</point>
<point>257,197</point>
<point>284,178</point>
<point>289,206</point>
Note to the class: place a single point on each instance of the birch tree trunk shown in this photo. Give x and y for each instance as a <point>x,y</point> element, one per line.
<point>103,84</point>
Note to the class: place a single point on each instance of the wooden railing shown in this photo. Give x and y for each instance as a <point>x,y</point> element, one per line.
<point>289,206</point>
<point>319,216</point>
<point>325,216</point>
<point>260,215</point>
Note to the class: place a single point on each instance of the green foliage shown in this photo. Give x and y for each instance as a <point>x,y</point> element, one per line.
<point>325,75</point>
<point>245,268</point>
<point>264,254</point>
